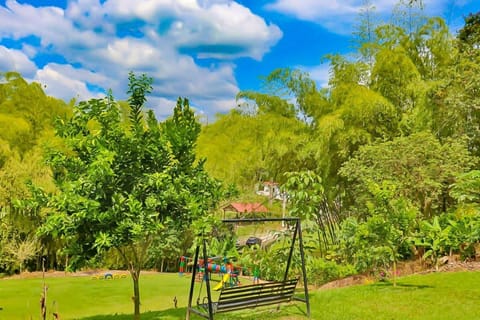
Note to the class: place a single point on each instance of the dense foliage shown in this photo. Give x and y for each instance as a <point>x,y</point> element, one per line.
<point>379,162</point>
<point>382,165</point>
<point>123,187</point>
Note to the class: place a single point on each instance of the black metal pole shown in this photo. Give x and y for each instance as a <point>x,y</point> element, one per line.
<point>291,251</point>
<point>192,284</point>
<point>207,280</point>
<point>304,269</point>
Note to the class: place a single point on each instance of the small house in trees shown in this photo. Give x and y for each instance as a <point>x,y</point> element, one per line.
<point>243,210</point>
<point>271,190</point>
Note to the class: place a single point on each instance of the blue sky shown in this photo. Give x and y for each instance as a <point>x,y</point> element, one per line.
<point>206,50</point>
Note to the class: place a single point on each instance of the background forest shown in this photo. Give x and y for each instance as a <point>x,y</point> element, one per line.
<point>382,165</point>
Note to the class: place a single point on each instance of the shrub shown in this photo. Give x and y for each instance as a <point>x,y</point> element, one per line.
<point>320,271</point>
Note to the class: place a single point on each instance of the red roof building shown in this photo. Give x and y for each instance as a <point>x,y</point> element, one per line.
<point>245,208</point>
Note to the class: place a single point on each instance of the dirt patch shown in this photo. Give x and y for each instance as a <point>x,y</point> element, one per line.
<point>461,266</point>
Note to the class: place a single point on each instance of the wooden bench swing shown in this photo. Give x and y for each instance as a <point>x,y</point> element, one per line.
<point>254,295</point>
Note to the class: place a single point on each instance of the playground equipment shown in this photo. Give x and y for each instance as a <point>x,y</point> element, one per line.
<point>229,275</point>
<point>251,296</point>
<point>109,275</point>
<point>225,279</point>
<point>229,280</point>
<point>183,262</point>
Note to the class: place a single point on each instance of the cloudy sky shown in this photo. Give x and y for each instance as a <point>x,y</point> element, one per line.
<point>206,50</point>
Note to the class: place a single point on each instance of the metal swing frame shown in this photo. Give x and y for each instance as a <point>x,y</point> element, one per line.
<point>210,304</point>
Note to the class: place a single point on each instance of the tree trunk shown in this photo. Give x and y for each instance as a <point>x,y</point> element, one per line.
<point>134,269</point>
<point>394,272</point>
<point>136,294</point>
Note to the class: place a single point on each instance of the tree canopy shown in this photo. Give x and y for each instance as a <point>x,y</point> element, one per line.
<point>382,164</point>
<point>121,187</point>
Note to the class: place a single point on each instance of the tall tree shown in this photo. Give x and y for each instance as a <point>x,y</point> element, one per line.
<point>469,35</point>
<point>246,148</point>
<point>421,168</point>
<point>365,38</point>
<point>409,15</point>
<point>377,241</point>
<point>26,117</point>
<point>33,109</point>
<point>462,95</point>
<point>119,188</point>
<point>307,199</point>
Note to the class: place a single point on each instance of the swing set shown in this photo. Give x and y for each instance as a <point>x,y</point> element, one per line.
<point>255,295</point>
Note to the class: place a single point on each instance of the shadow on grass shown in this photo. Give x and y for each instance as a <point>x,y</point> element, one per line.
<point>170,314</point>
<point>179,314</point>
<point>401,285</point>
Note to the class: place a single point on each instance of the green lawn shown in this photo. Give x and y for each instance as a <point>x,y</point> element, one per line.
<point>432,296</point>
<point>79,297</point>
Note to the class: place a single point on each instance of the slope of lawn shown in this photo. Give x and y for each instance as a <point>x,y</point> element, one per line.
<point>431,296</point>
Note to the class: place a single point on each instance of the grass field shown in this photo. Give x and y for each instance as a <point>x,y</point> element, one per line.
<point>431,296</point>
<point>80,297</point>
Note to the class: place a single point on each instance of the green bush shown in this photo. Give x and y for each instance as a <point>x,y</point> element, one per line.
<point>320,271</point>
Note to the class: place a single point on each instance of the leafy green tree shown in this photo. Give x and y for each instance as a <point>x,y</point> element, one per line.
<point>432,49</point>
<point>466,190</point>
<point>406,112</point>
<point>409,15</point>
<point>15,135</point>
<point>16,247</point>
<point>268,104</point>
<point>20,211</point>
<point>365,37</point>
<point>412,70</point>
<point>309,103</point>
<point>307,199</point>
<point>469,35</point>
<point>465,223</point>
<point>380,240</point>
<point>456,101</point>
<point>463,233</point>
<point>4,235</point>
<point>121,187</point>
<point>26,118</point>
<point>172,243</point>
<point>419,165</point>
<point>29,111</point>
<point>396,77</point>
<point>435,238</point>
<point>246,148</point>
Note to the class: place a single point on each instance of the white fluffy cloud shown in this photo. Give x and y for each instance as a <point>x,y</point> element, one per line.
<point>60,85</point>
<point>335,15</point>
<point>66,82</point>
<point>16,60</point>
<point>100,42</point>
<point>320,73</point>
<point>338,16</point>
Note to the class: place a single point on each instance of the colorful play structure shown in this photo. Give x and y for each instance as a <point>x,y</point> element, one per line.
<point>109,275</point>
<point>229,272</point>
<point>183,262</point>
<point>242,297</point>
